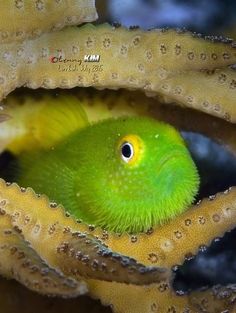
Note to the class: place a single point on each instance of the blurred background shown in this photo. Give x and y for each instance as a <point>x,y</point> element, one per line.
<point>205,16</point>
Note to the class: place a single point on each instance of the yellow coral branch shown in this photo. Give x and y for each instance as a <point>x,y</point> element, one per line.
<point>145,59</point>
<point>216,299</point>
<point>74,253</point>
<point>18,260</point>
<point>160,298</point>
<point>21,19</point>
<point>212,92</point>
<point>166,245</point>
<point>169,244</point>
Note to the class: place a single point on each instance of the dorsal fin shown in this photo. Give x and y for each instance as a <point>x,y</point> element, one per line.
<point>41,123</point>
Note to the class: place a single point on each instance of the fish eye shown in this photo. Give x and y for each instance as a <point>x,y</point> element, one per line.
<point>127,151</point>
<point>130,149</point>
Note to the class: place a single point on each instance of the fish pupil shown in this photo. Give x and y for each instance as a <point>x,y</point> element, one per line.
<point>127,150</point>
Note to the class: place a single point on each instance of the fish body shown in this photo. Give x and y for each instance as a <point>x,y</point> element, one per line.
<point>126,174</point>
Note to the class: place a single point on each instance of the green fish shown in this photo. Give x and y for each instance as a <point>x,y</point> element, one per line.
<point>125,175</point>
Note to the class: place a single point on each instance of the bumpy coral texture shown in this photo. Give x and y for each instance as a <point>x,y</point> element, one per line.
<point>166,63</point>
